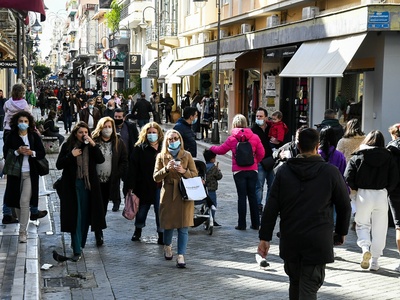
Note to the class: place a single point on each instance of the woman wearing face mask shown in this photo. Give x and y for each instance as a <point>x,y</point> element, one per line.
<point>174,212</point>
<point>114,167</point>
<point>68,109</point>
<point>23,191</point>
<point>140,179</point>
<point>79,192</point>
<point>100,105</point>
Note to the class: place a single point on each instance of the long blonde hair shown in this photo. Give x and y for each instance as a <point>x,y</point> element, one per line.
<point>164,149</point>
<point>96,134</point>
<point>143,133</point>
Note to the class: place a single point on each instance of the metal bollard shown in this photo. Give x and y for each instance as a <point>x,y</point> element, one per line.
<point>215,133</point>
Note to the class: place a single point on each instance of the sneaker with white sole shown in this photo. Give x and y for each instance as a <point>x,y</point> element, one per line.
<point>374,266</point>
<point>180,261</point>
<point>22,237</point>
<point>168,252</point>
<point>365,260</point>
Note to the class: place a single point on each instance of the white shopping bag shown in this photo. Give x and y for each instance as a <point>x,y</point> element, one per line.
<point>192,189</point>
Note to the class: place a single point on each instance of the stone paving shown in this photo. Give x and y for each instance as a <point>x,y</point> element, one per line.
<point>219,266</point>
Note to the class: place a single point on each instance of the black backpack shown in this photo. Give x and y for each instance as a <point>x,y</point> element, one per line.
<point>244,152</point>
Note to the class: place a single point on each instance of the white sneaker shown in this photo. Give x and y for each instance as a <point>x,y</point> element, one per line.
<point>397,269</point>
<point>365,260</point>
<point>168,252</point>
<point>374,266</point>
<point>22,237</point>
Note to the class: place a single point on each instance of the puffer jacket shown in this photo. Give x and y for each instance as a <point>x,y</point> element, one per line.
<point>230,145</point>
<point>372,168</point>
<point>11,107</point>
<point>213,174</point>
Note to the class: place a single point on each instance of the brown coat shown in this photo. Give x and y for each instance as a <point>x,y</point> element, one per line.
<point>174,211</point>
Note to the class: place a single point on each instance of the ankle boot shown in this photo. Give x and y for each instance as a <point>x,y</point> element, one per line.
<point>160,240</point>
<point>99,237</point>
<point>137,234</point>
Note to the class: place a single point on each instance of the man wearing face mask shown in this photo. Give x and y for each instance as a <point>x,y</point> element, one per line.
<point>142,110</point>
<point>90,115</point>
<point>184,127</point>
<point>68,109</point>
<point>109,111</point>
<point>261,128</point>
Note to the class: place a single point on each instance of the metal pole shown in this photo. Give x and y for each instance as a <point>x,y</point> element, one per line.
<point>18,49</point>
<point>158,17</point>
<point>215,131</point>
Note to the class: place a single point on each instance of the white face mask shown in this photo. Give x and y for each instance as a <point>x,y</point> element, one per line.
<point>260,122</point>
<point>106,132</point>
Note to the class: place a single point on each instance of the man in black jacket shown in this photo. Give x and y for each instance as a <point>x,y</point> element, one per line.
<point>184,127</point>
<point>261,128</point>
<point>304,192</point>
<point>142,110</point>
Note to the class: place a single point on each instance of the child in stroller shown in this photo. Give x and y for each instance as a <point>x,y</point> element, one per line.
<point>203,208</point>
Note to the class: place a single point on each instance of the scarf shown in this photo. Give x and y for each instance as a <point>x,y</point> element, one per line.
<point>82,162</point>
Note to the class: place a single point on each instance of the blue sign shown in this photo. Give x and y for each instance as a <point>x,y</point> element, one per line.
<point>379,20</point>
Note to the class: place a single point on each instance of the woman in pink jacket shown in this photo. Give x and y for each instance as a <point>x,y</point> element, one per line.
<point>245,176</point>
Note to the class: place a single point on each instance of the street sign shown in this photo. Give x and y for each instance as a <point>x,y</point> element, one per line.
<point>8,64</point>
<point>379,20</point>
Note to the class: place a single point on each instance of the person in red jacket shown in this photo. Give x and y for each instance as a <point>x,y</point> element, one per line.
<point>277,131</point>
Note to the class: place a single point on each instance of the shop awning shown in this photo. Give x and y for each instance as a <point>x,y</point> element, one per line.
<point>95,70</point>
<point>228,61</point>
<point>25,6</point>
<point>325,58</point>
<point>169,76</point>
<point>195,65</point>
<point>165,64</point>
<point>149,66</point>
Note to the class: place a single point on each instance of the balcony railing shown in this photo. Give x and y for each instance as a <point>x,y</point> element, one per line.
<point>168,28</point>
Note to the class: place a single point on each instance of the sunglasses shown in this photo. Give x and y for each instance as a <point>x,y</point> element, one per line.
<point>173,139</point>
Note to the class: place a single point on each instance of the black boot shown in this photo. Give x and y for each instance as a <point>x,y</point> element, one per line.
<point>160,240</point>
<point>99,237</point>
<point>137,234</point>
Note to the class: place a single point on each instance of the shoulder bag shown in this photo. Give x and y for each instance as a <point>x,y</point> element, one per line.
<point>131,206</point>
<point>13,164</point>
<point>42,166</point>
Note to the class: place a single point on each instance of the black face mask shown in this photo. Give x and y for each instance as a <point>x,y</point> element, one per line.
<point>118,122</point>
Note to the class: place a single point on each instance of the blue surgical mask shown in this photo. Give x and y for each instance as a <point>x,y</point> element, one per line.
<point>91,106</point>
<point>260,122</point>
<point>194,121</point>
<point>152,137</point>
<point>174,152</point>
<point>174,145</point>
<point>23,126</point>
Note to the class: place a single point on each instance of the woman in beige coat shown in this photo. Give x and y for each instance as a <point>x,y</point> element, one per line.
<point>172,163</point>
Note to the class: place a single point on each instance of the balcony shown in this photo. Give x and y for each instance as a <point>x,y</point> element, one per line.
<point>99,12</point>
<point>132,14</point>
<point>118,41</point>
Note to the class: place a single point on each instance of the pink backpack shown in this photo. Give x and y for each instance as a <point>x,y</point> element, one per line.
<point>131,206</point>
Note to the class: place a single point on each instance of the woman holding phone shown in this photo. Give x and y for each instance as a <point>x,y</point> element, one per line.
<point>80,196</point>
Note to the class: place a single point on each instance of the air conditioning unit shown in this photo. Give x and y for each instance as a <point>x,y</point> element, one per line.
<point>223,33</point>
<point>193,40</point>
<point>310,12</point>
<point>245,28</point>
<point>204,37</point>
<point>273,21</point>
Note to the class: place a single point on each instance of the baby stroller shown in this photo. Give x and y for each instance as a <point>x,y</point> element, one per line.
<point>203,208</point>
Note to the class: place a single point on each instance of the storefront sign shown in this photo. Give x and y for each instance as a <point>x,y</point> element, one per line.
<point>8,64</point>
<point>280,52</point>
<point>134,62</point>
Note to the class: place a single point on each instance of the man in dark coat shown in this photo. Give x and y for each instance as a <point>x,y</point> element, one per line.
<point>306,216</point>
<point>184,127</point>
<point>261,128</point>
<point>142,110</point>
<point>331,121</point>
<point>90,115</point>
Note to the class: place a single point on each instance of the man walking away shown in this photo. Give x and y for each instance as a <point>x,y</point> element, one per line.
<point>306,216</point>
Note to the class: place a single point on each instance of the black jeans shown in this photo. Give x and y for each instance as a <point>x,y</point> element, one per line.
<point>305,280</point>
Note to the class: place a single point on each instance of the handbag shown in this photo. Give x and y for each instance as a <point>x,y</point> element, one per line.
<point>192,189</point>
<point>131,206</point>
<point>42,166</point>
<point>13,164</point>
<point>268,163</point>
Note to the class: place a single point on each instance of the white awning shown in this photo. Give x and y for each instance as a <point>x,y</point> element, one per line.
<point>325,58</point>
<point>145,69</point>
<point>169,76</point>
<point>228,61</point>
<point>165,64</point>
<point>95,70</point>
<point>195,65</point>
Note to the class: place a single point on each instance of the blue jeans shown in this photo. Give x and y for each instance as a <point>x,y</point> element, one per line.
<point>246,187</point>
<point>8,212</point>
<point>213,197</point>
<point>183,236</point>
<point>140,220</point>
<point>67,122</point>
<point>263,175</point>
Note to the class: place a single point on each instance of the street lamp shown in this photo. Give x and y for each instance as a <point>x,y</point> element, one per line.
<point>37,39</point>
<point>36,26</point>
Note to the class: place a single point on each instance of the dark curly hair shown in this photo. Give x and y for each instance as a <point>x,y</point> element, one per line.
<point>14,121</point>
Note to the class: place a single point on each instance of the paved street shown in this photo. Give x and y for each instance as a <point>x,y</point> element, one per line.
<point>220,266</point>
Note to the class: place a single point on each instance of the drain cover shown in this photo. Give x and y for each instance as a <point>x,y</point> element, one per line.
<point>61,282</point>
